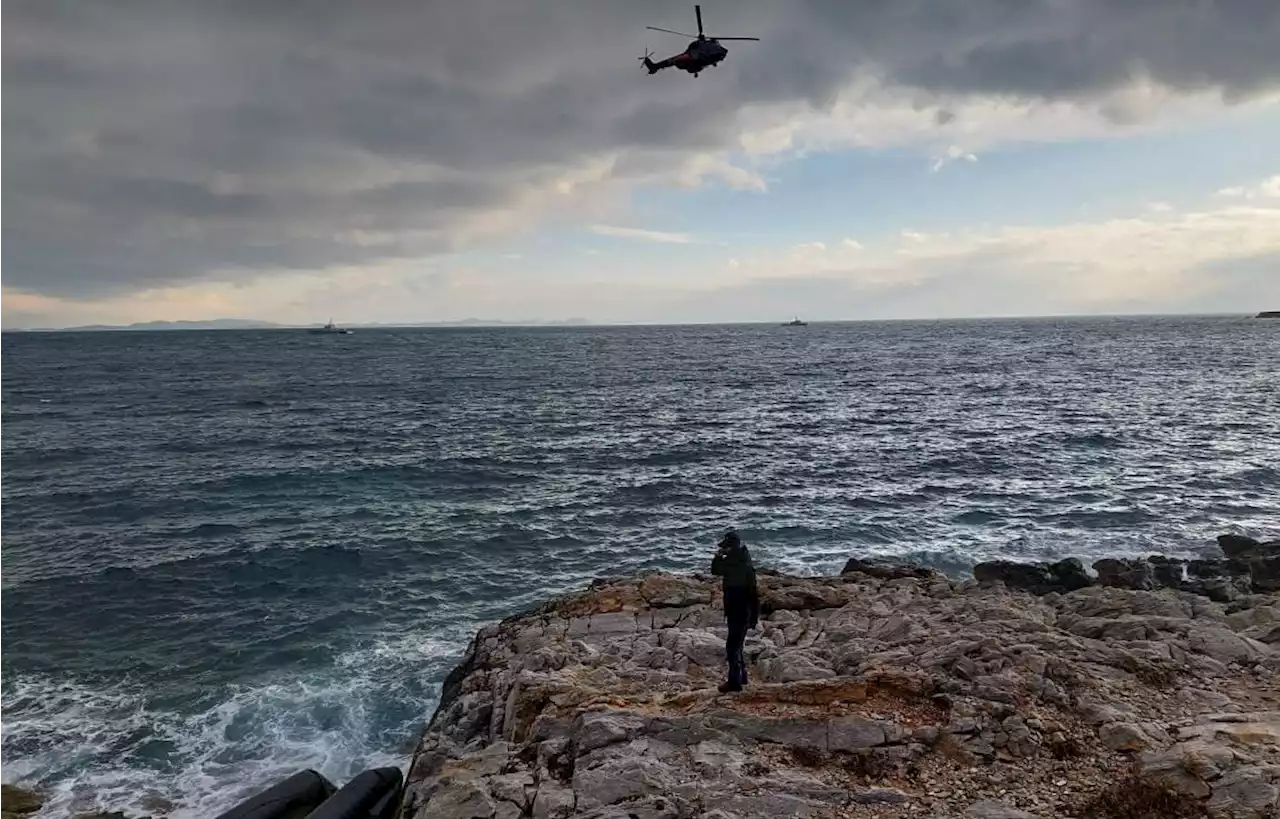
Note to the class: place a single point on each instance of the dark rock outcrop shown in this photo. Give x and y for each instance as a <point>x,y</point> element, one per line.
<point>1125,573</point>
<point>1037,578</point>
<point>1248,566</point>
<point>885,569</point>
<point>1240,547</point>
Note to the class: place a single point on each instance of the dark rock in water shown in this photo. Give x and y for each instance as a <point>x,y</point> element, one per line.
<point>1218,589</point>
<point>1038,578</point>
<point>1125,573</point>
<point>1236,545</point>
<point>886,569</point>
<point>1070,574</point>
<point>1218,568</point>
<point>1167,571</point>
<point>1265,572</point>
<point>1240,547</point>
<point>17,801</point>
<point>1209,567</point>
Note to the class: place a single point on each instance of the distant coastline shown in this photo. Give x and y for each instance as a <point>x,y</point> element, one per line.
<point>253,324</point>
<point>257,324</point>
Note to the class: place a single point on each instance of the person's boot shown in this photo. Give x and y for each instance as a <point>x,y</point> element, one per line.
<point>728,687</point>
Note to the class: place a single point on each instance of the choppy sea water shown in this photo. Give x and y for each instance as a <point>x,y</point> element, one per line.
<point>230,555</point>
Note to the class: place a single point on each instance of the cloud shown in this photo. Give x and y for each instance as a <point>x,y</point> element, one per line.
<point>1268,188</point>
<point>158,144</point>
<point>1208,258</point>
<point>952,154</point>
<point>1220,256</point>
<point>644,235</point>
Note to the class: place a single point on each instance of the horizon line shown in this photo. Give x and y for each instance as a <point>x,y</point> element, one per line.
<point>575,323</point>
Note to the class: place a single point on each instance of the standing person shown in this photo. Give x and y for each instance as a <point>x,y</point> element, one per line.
<point>741,603</point>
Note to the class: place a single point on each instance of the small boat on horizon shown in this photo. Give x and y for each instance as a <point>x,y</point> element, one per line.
<point>796,322</point>
<point>329,329</point>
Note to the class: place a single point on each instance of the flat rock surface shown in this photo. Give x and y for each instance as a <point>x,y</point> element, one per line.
<point>878,693</point>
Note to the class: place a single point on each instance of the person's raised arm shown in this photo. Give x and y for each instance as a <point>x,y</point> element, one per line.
<point>718,562</point>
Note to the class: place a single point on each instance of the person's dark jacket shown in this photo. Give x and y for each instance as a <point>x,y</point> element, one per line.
<point>733,564</point>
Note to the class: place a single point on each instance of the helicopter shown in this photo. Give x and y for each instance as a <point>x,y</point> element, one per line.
<point>701,53</point>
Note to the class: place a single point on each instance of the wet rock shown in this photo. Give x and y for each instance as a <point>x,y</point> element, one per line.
<point>1265,573</point>
<point>1037,578</point>
<point>1241,547</point>
<point>884,569</point>
<point>1125,573</point>
<point>1167,571</point>
<point>1219,589</point>
<point>19,801</point>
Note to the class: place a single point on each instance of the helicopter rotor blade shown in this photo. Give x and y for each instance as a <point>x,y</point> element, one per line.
<point>736,38</point>
<point>698,11</point>
<point>669,31</point>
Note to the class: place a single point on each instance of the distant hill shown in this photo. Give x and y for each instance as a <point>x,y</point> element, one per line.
<point>472,322</point>
<point>255,324</point>
<point>212,324</point>
<point>1269,314</point>
<point>475,322</point>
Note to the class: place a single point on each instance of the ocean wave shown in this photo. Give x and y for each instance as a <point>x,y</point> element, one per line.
<point>123,748</point>
<point>229,590</point>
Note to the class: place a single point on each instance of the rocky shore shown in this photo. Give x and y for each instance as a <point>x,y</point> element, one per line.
<point>1148,688</point>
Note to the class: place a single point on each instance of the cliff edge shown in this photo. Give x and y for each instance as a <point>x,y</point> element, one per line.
<point>888,691</point>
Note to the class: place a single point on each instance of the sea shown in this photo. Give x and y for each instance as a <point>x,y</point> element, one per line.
<point>231,555</point>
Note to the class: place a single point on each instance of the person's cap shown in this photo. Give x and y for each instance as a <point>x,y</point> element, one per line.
<point>730,539</point>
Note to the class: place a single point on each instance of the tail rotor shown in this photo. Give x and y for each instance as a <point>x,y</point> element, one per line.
<point>648,63</point>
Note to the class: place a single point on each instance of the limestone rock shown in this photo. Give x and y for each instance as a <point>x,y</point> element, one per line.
<point>879,690</point>
<point>1130,736</point>
<point>19,801</point>
<point>991,809</point>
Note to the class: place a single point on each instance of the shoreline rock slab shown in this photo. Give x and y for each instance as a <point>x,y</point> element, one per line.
<point>880,692</point>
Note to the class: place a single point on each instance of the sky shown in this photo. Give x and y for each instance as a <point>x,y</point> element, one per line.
<point>391,161</point>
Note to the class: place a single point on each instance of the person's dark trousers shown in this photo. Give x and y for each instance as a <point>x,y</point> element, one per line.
<point>737,610</point>
<point>733,650</point>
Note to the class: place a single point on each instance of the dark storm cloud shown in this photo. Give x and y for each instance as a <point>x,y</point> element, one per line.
<point>153,142</point>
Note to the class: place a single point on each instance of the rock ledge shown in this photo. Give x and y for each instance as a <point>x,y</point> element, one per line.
<point>881,692</point>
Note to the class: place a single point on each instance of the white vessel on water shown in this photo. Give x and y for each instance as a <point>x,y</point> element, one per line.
<point>329,329</point>
<point>796,322</point>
